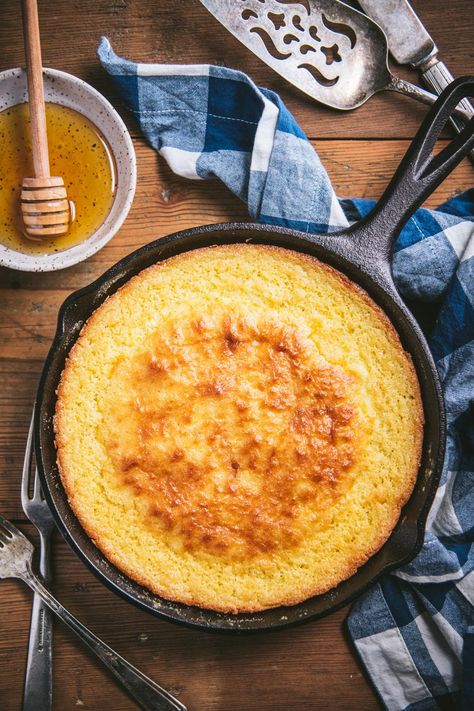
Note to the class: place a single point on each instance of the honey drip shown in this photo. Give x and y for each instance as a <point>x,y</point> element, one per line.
<point>78,153</point>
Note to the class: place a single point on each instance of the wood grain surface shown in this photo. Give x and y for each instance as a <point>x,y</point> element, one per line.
<point>311,667</point>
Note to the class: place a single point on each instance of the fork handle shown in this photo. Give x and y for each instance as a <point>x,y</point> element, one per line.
<point>38,687</point>
<point>148,695</point>
<point>425,97</point>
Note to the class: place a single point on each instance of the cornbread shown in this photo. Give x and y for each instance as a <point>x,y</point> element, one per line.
<point>238,427</point>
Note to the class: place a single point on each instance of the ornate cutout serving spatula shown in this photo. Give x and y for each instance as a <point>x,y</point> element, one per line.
<point>327,49</point>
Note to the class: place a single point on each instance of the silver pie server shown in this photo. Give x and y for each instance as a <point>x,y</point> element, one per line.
<point>327,49</point>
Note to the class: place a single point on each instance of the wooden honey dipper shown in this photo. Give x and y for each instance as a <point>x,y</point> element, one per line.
<point>45,209</point>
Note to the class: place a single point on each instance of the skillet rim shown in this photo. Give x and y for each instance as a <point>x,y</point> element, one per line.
<point>376,280</point>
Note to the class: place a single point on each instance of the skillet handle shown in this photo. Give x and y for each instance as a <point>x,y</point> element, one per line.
<point>419,173</point>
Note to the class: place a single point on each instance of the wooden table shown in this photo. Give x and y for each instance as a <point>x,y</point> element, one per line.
<point>311,667</point>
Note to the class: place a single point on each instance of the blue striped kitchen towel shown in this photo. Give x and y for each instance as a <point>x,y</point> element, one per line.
<point>414,631</point>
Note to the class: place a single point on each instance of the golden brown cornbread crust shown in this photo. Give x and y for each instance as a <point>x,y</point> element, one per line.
<point>238,427</point>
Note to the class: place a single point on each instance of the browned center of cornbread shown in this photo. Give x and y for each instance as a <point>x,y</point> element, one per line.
<point>226,428</point>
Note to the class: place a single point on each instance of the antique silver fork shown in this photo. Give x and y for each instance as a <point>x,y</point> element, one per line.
<point>38,687</point>
<point>16,554</point>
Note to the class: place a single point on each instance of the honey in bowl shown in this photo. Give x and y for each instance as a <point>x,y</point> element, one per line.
<point>78,152</point>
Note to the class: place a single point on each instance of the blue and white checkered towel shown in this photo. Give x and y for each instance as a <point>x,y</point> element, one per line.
<point>414,630</point>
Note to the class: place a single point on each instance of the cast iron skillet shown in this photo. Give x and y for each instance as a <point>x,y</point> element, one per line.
<point>363,253</point>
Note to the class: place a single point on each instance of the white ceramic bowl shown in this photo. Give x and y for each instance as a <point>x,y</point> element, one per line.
<point>68,90</point>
